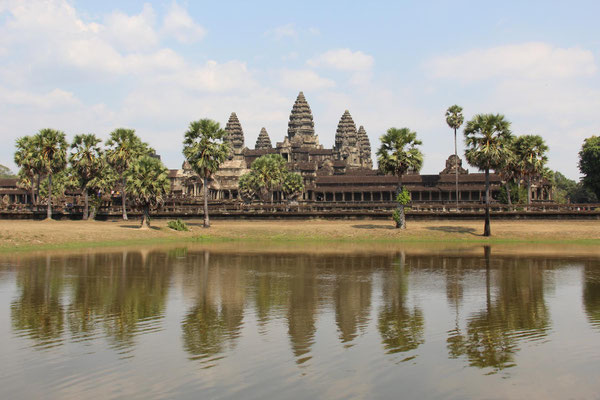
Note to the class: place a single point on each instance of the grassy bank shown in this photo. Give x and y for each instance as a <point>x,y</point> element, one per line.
<point>18,235</point>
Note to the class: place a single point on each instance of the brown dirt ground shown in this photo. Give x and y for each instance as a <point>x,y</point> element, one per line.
<point>27,233</point>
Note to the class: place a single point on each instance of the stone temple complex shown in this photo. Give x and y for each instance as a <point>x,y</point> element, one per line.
<point>343,173</point>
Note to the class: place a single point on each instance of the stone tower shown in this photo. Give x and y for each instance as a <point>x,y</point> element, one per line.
<point>346,141</point>
<point>263,142</point>
<point>235,134</point>
<point>301,125</point>
<point>365,148</point>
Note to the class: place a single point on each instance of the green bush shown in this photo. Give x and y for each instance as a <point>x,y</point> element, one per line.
<point>178,225</point>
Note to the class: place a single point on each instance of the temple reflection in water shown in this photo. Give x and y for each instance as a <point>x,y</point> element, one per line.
<point>494,304</point>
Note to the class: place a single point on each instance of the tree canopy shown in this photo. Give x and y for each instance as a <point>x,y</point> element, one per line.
<point>148,184</point>
<point>589,164</point>
<point>267,173</point>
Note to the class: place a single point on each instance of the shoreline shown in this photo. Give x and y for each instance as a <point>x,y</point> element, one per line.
<point>31,236</point>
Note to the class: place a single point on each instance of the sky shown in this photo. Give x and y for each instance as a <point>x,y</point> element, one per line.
<point>92,67</point>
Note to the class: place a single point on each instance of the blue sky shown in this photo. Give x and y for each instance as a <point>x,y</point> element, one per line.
<point>155,66</point>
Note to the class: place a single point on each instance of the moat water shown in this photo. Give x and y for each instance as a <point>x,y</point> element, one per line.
<point>235,323</point>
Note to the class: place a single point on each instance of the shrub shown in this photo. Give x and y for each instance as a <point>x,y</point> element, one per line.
<point>178,225</point>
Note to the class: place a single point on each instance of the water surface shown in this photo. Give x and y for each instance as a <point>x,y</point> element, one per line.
<point>231,323</point>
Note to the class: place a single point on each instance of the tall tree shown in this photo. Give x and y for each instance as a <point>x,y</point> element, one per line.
<point>269,173</point>
<point>28,159</point>
<point>397,155</point>
<point>509,169</point>
<point>530,151</point>
<point>205,149</point>
<point>5,172</point>
<point>124,149</point>
<point>589,164</point>
<point>148,183</point>
<point>53,153</point>
<point>87,161</point>
<point>455,119</point>
<point>486,137</point>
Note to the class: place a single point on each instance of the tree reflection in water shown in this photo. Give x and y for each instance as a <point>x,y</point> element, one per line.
<point>591,292</point>
<point>352,295</point>
<point>400,325</point>
<point>111,293</point>
<point>38,312</point>
<point>217,315</point>
<point>517,313</point>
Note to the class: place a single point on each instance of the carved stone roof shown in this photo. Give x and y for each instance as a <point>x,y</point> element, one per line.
<point>235,134</point>
<point>346,134</point>
<point>263,141</point>
<point>452,163</point>
<point>301,119</point>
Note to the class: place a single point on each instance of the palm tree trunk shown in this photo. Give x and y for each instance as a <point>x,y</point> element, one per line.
<point>486,228</point>
<point>86,209</point>
<point>145,217</point>
<point>49,209</point>
<point>401,223</point>
<point>456,167</point>
<point>528,192</point>
<point>33,203</point>
<point>37,193</point>
<point>123,198</point>
<point>206,220</point>
<point>507,186</point>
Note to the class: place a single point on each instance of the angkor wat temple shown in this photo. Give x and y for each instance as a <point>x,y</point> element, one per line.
<point>343,173</point>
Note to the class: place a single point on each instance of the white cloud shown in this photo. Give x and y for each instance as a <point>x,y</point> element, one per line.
<point>132,32</point>
<point>343,59</point>
<point>526,60</point>
<point>282,32</point>
<point>304,79</point>
<point>181,26</point>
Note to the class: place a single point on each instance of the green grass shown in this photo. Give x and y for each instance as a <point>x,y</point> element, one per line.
<point>254,237</point>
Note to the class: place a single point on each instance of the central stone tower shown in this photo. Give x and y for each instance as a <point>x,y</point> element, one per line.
<point>301,127</point>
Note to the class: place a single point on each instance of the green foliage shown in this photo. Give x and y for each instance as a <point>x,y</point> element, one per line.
<point>204,147</point>
<point>518,195</point>
<point>147,181</point>
<point>403,198</point>
<point>178,225</point>
<point>589,164</point>
<point>454,117</point>
<point>53,150</point>
<point>292,184</point>
<point>86,159</point>
<point>267,173</point>
<point>61,182</point>
<point>583,194</point>
<point>5,172</point>
<point>399,153</point>
<point>530,152</point>
<point>396,216</point>
<point>487,139</point>
<point>124,148</point>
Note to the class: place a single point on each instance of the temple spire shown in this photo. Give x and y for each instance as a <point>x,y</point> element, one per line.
<point>235,134</point>
<point>263,141</point>
<point>301,119</point>
<point>365,148</point>
<point>346,134</point>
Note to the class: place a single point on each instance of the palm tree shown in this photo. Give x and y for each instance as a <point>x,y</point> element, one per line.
<point>531,156</point>
<point>509,169</point>
<point>87,162</point>
<point>27,158</point>
<point>486,137</point>
<point>148,183</point>
<point>397,155</point>
<point>124,148</point>
<point>455,119</point>
<point>53,153</point>
<point>205,150</point>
